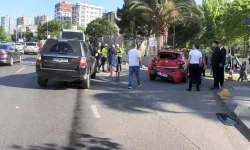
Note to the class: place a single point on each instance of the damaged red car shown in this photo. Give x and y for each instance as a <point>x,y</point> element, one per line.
<point>170,65</point>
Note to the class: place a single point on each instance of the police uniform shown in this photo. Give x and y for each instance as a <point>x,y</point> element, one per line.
<point>119,54</point>
<point>104,58</point>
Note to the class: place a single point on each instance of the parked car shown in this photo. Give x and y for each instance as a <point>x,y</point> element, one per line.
<point>31,47</point>
<point>19,47</point>
<point>66,60</point>
<point>9,54</point>
<point>170,65</point>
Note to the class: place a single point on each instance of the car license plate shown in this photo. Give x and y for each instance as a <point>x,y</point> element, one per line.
<point>162,74</point>
<point>60,60</point>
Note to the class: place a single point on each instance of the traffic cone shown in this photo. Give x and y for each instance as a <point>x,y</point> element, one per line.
<point>230,75</point>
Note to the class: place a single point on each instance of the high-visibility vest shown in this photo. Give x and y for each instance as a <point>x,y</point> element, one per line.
<point>105,52</point>
<point>99,51</point>
<point>119,52</point>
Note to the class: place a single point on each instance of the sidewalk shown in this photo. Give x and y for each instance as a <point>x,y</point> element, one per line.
<point>238,103</point>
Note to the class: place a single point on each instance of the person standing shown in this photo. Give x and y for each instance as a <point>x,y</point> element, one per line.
<point>194,63</point>
<point>217,64</point>
<point>134,60</point>
<point>204,63</point>
<point>112,54</point>
<point>119,54</point>
<point>222,69</point>
<point>104,56</point>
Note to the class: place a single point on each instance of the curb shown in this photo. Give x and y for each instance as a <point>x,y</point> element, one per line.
<point>232,113</point>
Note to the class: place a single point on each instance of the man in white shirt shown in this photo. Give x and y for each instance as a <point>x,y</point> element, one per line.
<point>194,63</point>
<point>134,61</point>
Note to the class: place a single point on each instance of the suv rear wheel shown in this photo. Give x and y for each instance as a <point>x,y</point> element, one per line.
<point>42,82</point>
<point>85,84</point>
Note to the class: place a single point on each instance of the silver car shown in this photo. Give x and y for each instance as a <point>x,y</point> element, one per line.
<point>9,54</point>
<point>20,47</point>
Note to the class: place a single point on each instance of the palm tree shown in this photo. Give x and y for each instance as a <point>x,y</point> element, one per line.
<point>161,14</point>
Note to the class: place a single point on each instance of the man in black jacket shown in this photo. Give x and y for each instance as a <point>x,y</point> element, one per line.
<point>222,69</point>
<point>217,64</point>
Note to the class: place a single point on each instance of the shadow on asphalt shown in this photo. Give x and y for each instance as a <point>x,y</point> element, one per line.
<point>76,139</point>
<point>29,81</point>
<point>29,59</point>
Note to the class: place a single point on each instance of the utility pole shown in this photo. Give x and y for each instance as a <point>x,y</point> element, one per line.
<point>174,37</point>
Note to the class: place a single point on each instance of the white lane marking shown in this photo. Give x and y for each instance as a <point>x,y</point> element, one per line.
<point>95,111</point>
<point>19,70</point>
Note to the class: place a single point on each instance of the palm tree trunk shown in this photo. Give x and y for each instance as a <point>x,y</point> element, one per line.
<point>166,34</point>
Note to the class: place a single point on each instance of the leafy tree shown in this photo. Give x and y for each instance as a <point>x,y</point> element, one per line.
<point>30,36</point>
<point>161,14</point>
<point>54,27</point>
<point>2,34</point>
<point>100,27</point>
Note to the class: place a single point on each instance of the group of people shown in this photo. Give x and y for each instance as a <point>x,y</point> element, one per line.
<point>104,55</point>
<point>197,64</point>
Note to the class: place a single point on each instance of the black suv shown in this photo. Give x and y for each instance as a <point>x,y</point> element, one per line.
<point>66,60</point>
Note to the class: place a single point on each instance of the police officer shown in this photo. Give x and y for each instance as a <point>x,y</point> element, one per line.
<point>98,56</point>
<point>104,56</point>
<point>119,54</point>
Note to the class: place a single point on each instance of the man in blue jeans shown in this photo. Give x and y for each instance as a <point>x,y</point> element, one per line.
<point>134,61</point>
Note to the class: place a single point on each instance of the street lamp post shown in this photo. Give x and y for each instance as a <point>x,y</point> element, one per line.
<point>174,36</point>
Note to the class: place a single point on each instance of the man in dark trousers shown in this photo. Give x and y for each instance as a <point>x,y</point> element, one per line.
<point>222,69</point>
<point>217,64</point>
<point>194,63</point>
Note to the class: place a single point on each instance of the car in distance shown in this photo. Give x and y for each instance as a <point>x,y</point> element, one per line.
<point>65,60</point>
<point>9,54</point>
<point>170,65</point>
<point>19,47</point>
<point>31,47</point>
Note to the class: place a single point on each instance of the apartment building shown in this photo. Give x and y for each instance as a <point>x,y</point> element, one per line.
<point>9,24</point>
<point>83,13</point>
<point>63,12</point>
<point>24,20</point>
<point>41,19</point>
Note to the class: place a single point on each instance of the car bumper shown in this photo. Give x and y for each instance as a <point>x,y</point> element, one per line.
<point>4,60</point>
<point>31,51</point>
<point>176,77</point>
<point>62,75</point>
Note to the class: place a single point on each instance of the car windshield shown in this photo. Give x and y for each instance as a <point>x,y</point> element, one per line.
<point>63,47</point>
<point>31,44</point>
<point>168,55</point>
<point>3,47</point>
<point>18,44</point>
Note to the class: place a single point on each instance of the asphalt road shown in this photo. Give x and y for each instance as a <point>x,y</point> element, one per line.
<point>158,116</point>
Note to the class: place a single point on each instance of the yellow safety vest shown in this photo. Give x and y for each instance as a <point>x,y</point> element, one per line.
<point>105,52</point>
<point>120,52</point>
<point>99,51</point>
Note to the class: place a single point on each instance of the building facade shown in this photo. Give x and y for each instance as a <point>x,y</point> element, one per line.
<point>38,20</point>
<point>24,20</point>
<point>111,17</point>
<point>83,13</point>
<point>63,12</point>
<point>9,24</point>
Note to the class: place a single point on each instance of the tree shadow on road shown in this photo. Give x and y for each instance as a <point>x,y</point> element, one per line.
<point>76,138</point>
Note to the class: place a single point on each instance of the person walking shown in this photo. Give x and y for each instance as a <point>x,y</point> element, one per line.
<point>134,60</point>
<point>222,69</point>
<point>217,64</point>
<point>112,59</point>
<point>194,63</point>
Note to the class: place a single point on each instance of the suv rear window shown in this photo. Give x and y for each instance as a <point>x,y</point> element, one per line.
<point>165,55</point>
<point>3,47</point>
<point>63,47</point>
<point>31,44</point>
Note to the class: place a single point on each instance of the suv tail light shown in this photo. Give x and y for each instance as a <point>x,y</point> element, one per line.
<point>3,53</point>
<point>83,62</point>
<point>38,59</point>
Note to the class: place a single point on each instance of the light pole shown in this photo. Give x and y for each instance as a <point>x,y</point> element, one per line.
<point>174,36</point>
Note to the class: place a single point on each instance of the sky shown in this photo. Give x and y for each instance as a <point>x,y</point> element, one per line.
<point>33,8</point>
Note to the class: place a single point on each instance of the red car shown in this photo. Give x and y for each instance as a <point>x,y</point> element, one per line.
<point>170,65</point>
